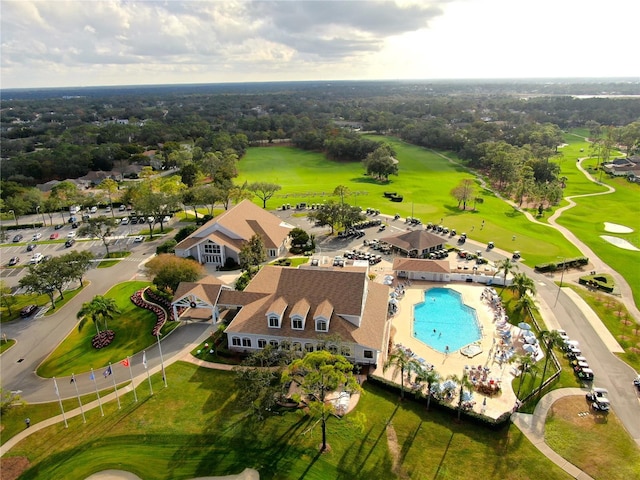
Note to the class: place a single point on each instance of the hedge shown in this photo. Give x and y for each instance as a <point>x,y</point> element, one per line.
<point>567,263</point>
<point>492,423</point>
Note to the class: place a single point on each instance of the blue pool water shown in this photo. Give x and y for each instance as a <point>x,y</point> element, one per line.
<point>455,324</point>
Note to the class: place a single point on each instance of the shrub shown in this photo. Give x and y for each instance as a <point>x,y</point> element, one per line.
<point>167,247</point>
<point>184,232</point>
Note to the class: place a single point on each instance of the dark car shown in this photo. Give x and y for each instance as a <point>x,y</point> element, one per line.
<point>46,258</point>
<point>14,261</point>
<point>31,247</point>
<point>17,238</point>
<point>70,242</point>
<point>58,227</point>
<point>74,225</point>
<point>28,311</point>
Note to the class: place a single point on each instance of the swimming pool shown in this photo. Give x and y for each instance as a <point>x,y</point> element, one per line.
<point>443,320</point>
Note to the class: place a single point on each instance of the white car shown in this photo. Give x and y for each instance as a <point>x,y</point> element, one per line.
<point>37,258</point>
<point>93,209</point>
<point>36,236</point>
<point>125,221</point>
<point>166,219</point>
<point>138,239</point>
<point>71,235</point>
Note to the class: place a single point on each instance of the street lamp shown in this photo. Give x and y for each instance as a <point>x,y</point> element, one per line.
<point>14,216</point>
<point>561,279</point>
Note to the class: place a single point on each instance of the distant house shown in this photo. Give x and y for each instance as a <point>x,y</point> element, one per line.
<point>223,237</point>
<point>415,243</point>
<point>623,167</point>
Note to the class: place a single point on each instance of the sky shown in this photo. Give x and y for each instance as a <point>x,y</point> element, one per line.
<point>58,43</point>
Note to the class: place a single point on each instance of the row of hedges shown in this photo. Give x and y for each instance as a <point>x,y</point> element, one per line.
<point>493,423</point>
<point>23,226</point>
<point>566,263</point>
<point>592,282</point>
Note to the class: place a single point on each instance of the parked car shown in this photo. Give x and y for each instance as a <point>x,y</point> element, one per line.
<point>46,258</point>
<point>71,234</point>
<point>93,209</point>
<point>72,219</point>
<point>36,236</point>
<point>31,247</point>
<point>28,311</point>
<point>125,221</point>
<point>70,242</point>
<point>36,258</point>
<point>122,208</point>
<point>636,382</point>
<point>138,239</point>
<point>58,227</point>
<point>75,225</point>
<point>54,236</point>
<point>14,261</point>
<point>597,393</point>
<point>17,238</point>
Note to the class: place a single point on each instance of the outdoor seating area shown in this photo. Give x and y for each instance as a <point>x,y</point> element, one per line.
<point>482,381</point>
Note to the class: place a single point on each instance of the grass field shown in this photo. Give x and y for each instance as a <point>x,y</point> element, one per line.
<point>425,181</point>
<point>195,428</point>
<point>597,444</point>
<point>75,354</point>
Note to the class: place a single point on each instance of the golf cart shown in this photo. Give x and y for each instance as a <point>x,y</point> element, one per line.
<point>597,393</point>
<point>636,382</point>
<point>601,404</point>
<point>585,374</point>
<point>516,255</point>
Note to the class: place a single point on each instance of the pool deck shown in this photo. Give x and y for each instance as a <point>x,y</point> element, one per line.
<point>454,363</point>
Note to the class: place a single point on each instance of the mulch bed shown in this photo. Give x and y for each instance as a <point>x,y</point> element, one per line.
<point>12,467</point>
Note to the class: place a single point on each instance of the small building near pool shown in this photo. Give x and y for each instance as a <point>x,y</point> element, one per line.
<point>420,269</point>
<point>415,243</point>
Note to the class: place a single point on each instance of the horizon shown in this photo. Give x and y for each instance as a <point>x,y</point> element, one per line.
<point>76,44</point>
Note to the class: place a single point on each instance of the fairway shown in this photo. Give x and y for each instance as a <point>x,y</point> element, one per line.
<point>425,180</point>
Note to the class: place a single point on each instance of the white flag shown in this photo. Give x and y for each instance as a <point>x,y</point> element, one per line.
<point>55,387</point>
<point>144,359</point>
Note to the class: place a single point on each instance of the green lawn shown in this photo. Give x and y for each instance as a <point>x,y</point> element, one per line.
<point>597,444</point>
<point>133,333</point>
<point>40,300</point>
<point>425,180</point>
<point>196,428</point>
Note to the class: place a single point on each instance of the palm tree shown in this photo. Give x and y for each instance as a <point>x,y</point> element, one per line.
<point>401,361</point>
<point>429,377</point>
<point>550,339</point>
<point>522,284</point>
<point>505,266</point>
<point>524,363</point>
<point>99,309</point>
<point>525,303</point>
<point>464,383</point>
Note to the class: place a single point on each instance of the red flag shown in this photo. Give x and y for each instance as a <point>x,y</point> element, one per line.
<point>125,362</point>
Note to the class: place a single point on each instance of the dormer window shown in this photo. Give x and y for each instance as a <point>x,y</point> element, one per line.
<point>274,321</point>
<point>321,325</point>
<point>297,323</point>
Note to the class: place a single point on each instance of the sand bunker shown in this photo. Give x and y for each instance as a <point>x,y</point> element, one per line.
<point>615,228</point>
<point>620,243</point>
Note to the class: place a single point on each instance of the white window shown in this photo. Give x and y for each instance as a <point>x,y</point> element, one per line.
<point>368,354</point>
<point>246,342</point>
<point>272,252</point>
<point>262,343</point>
<point>296,346</point>
<point>235,341</point>
<point>333,348</point>
<point>212,248</point>
<point>273,343</point>
<point>321,325</point>
<point>320,346</point>
<point>274,321</point>
<point>308,347</point>
<point>296,323</point>
<point>345,351</point>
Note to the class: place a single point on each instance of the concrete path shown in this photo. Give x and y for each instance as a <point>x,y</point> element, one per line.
<point>532,425</point>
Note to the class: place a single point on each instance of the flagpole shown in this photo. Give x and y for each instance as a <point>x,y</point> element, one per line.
<point>55,386</point>
<point>93,377</point>
<point>164,377</point>
<point>135,395</point>
<point>144,362</point>
<point>75,384</point>
<point>114,384</point>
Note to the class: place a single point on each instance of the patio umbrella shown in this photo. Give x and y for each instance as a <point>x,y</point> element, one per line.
<point>524,326</point>
<point>529,348</point>
<point>393,294</point>
<point>449,385</point>
<point>531,340</point>
<point>388,277</point>
<point>528,334</point>
<point>393,301</point>
<point>467,396</point>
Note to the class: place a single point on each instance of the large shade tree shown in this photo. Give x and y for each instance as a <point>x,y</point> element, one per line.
<point>264,190</point>
<point>318,374</point>
<point>168,271</point>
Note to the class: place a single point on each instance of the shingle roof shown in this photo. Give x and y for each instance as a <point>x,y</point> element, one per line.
<point>207,289</point>
<point>242,221</point>
<point>420,265</point>
<point>331,292</point>
<point>415,239</point>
